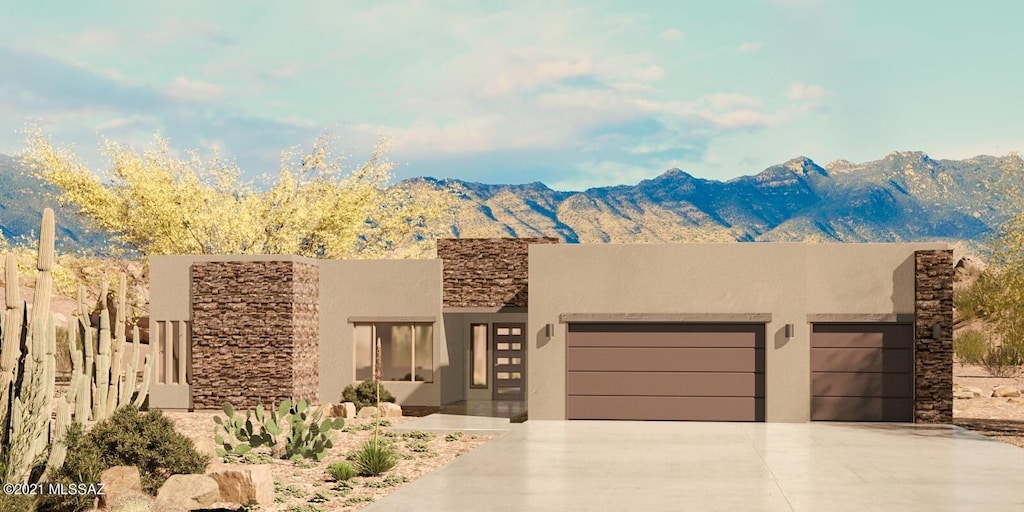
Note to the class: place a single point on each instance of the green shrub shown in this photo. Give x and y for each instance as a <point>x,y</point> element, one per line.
<point>974,301</point>
<point>970,347</point>
<point>455,436</point>
<point>1006,359</point>
<point>83,465</point>
<point>341,471</point>
<point>130,438</point>
<point>375,457</point>
<point>365,394</point>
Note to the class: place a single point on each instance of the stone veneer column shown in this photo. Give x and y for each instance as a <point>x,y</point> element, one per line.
<point>255,330</point>
<point>933,356</point>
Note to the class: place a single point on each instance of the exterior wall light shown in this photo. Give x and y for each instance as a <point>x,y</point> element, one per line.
<point>936,330</point>
<point>790,331</point>
<point>549,330</point>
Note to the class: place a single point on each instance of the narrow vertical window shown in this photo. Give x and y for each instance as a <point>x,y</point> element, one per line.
<point>478,355</point>
<point>364,352</point>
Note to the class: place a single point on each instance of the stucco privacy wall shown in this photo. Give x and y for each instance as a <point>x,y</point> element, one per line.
<point>385,290</point>
<point>933,337</point>
<point>254,332</point>
<point>486,272</point>
<point>791,282</point>
<point>378,290</point>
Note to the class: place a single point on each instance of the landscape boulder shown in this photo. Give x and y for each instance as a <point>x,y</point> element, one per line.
<point>119,481</point>
<point>188,492</point>
<point>390,410</point>
<point>963,395</point>
<point>367,412</point>
<point>1005,391</point>
<point>978,392</point>
<point>247,484</point>
<point>344,410</point>
<point>205,446</point>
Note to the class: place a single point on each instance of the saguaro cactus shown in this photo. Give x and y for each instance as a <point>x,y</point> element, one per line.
<point>28,364</point>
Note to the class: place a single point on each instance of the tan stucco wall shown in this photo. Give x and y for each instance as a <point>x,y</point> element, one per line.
<point>377,288</point>
<point>787,281</point>
<point>348,288</point>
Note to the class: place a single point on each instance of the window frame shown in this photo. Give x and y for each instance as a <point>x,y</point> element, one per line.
<point>472,355</point>
<point>412,353</point>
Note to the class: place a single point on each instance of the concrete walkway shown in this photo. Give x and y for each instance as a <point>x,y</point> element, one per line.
<point>451,423</point>
<point>580,465</point>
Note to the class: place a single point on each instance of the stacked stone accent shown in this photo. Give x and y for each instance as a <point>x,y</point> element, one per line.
<point>933,356</point>
<point>255,332</point>
<point>486,272</point>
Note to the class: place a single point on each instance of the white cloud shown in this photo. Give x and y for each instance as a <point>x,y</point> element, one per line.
<point>196,90</point>
<point>801,92</point>
<point>672,34</point>
<point>749,47</point>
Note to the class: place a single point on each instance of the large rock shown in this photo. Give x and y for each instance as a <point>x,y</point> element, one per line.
<point>978,392</point>
<point>390,410</point>
<point>247,484</point>
<point>1005,391</point>
<point>344,410</point>
<point>188,492</point>
<point>367,412</point>
<point>119,481</point>
<point>206,446</point>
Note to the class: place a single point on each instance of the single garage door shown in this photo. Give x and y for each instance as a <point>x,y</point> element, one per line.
<point>862,372</point>
<point>655,371</point>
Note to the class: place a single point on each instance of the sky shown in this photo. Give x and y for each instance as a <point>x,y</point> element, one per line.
<point>575,94</point>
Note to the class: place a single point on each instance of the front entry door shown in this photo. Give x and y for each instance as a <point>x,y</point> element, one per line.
<point>510,361</point>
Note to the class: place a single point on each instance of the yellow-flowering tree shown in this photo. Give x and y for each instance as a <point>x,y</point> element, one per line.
<point>159,204</point>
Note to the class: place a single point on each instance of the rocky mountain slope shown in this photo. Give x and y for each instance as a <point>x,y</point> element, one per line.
<point>906,196</point>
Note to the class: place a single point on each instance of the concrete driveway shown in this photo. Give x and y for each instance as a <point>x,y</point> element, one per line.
<point>602,465</point>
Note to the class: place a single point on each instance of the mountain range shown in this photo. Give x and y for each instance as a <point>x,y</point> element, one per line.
<point>905,196</point>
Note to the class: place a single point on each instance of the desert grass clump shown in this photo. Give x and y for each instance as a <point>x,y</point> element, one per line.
<point>970,347</point>
<point>375,457</point>
<point>1006,359</point>
<point>341,471</point>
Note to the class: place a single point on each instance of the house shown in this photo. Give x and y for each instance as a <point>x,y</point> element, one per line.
<point>778,332</point>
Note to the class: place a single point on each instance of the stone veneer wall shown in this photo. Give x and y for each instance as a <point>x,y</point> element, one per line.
<point>933,357</point>
<point>486,272</point>
<point>255,331</point>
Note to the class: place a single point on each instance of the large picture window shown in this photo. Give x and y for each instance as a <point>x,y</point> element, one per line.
<point>406,349</point>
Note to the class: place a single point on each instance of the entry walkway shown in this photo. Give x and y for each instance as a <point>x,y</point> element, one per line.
<point>597,465</point>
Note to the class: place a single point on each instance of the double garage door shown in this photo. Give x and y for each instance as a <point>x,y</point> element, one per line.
<point>716,372</point>
<point>709,372</point>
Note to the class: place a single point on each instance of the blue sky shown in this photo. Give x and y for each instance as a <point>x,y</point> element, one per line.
<point>575,94</point>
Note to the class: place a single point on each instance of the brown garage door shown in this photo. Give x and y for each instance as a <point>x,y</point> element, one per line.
<point>862,372</point>
<point>704,372</point>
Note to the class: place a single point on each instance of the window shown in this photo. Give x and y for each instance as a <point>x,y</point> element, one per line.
<point>406,349</point>
<point>478,355</point>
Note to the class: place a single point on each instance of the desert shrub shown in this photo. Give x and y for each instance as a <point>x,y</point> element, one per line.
<point>341,471</point>
<point>455,436</point>
<point>970,347</point>
<point>389,481</point>
<point>975,301</point>
<point>365,394</point>
<point>83,465</point>
<point>417,445</point>
<point>130,438</point>
<point>375,457</point>
<point>1006,359</point>
<point>419,434</point>
<point>16,501</point>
